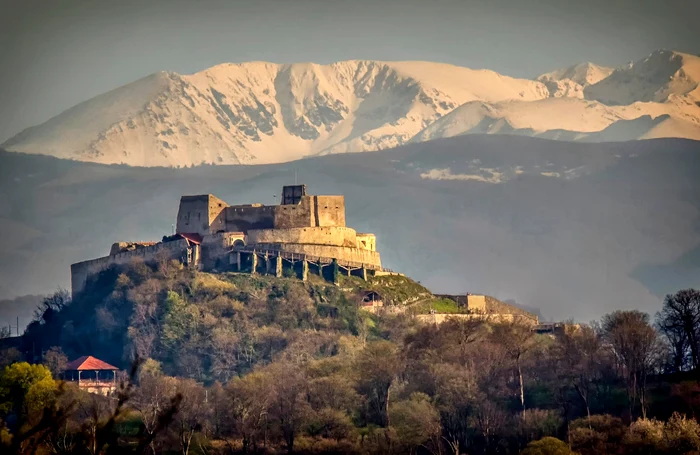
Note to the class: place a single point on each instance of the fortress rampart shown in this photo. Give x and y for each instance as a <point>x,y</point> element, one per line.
<point>499,318</point>
<point>212,235</point>
<point>81,271</point>
<point>333,236</point>
<point>207,214</point>
<point>356,255</point>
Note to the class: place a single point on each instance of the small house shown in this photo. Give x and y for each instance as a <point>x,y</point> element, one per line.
<point>370,300</point>
<point>92,375</point>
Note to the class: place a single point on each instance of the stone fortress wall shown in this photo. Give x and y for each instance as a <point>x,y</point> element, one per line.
<point>177,249</point>
<point>301,224</point>
<point>207,214</point>
<point>212,235</point>
<point>498,318</point>
<point>332,236</point>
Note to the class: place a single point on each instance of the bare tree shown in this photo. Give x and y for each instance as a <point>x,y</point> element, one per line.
<point>289,406</point>
<point>193,414</point>
<point>93,411</point>
<point>378,365</point>
<point>151,399</point>
<point>55,360</point>
<point>679,321</point>
<point>249,399</point>
<point>578,353</point>
<point>51,305</point>
<point>517,339</point>
<point>635,345</point>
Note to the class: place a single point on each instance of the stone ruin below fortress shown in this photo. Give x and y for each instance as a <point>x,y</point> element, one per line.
<point>303,234</point>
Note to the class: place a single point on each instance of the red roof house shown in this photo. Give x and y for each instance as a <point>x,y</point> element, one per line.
<point>92,374</point>
<point>88,362</point>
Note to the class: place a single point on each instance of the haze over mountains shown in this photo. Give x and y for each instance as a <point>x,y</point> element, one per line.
<point>254,113</point>
<point>574,229</point>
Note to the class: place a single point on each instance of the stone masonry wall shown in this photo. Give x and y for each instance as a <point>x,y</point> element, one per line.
<point>367,241</point>
<point>244,218</point>
<point>294,215</point>
<point>333,236</point>
<point>201,215</point>
<point>311,211</point>
<point>338,252</point>
<point>439,318</point>
<point>216,247</point>
<point>82,270</point>
<point>330,210</point>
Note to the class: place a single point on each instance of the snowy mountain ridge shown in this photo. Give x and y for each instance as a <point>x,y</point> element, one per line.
<point>260,112</point>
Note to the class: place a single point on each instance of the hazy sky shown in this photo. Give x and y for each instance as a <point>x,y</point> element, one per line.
<point>57,53</point>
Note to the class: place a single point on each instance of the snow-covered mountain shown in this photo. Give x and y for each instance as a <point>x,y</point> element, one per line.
<point>268,113</point>
<point>570,82</point>
<point>663,76</point>
<point>658,96</point>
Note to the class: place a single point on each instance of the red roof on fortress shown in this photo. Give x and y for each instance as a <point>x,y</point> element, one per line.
<point>88,362</point>
<point>194,238</point>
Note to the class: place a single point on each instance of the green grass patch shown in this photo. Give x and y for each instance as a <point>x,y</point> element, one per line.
<point>398,290</point>
<point>446,306</point>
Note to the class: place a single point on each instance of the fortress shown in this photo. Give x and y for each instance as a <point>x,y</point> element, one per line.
<point>303,234</point>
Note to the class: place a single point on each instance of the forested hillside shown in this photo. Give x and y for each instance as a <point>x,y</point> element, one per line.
<point>232,363</point>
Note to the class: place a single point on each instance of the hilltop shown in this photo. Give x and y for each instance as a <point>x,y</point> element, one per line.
<point>261,112</point>
<point>214,326</point>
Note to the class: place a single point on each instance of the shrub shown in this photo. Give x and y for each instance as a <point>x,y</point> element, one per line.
<point>537,423</point>
<point>682,435</point>
<point>600,434</point>
<point>547,446</point>
<point>645,436</point>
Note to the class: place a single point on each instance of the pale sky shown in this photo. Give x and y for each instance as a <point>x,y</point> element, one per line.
<point>57,53</point>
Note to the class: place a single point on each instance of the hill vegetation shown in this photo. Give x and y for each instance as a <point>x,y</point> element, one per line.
<point>212,327</point>
<point>232,363</point>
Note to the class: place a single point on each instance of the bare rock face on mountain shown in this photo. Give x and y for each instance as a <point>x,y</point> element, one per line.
<point>660,77</point>
<point>570,82</point>
<point>656,97</point>
<point>254,113</point>
<point>264,113</point>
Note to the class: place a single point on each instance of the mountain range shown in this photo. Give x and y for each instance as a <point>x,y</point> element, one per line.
<point>262,113</point>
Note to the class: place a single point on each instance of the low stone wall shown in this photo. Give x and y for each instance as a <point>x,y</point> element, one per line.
<point>333,236</point>
<point>439,318</point>
<point>82,270</point>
